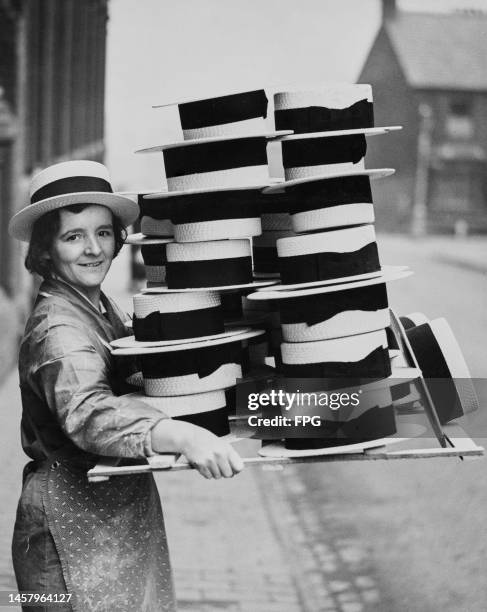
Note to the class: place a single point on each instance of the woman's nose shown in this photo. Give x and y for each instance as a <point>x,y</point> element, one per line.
<point>92,246</point>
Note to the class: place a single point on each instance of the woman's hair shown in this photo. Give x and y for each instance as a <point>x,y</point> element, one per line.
<point>44,231</point>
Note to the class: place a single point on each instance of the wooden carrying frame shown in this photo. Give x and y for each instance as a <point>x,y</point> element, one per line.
<point>452,440</point>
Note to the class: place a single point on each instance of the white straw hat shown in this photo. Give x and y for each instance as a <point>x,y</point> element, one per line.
<point>310,259</point>
<point>444,369</point>
<point>68,183</point>
<point>228,114</point>
<point>334,108</point>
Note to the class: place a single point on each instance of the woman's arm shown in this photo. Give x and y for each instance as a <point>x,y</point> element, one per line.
<point>71,374</point>
<point>211,456</point>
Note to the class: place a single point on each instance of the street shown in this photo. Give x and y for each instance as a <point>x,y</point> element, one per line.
<point>385,536</point>
<point>422,522</point>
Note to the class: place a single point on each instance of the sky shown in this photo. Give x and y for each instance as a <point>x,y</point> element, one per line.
<point>161,51</point>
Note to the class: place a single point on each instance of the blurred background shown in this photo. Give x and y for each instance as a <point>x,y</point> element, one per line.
<point>78,79</point>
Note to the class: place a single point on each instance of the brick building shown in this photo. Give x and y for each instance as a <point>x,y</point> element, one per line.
<point>52,88</point>
<point>429,74</point>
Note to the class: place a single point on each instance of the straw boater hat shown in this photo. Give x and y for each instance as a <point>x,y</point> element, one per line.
<point>68,183</point>
<point>220,118</point>
<point>193,367</point>
<point>331,257</point>
<point>210,266</point>
<point>330,125</point>
<point>176,318</point>
<point>330,202</point>
<point>207,410</point>
<point>224,145</point>
<point>444,369</point>
<point>363,356</point>
<point>228,114</point>
<point>335,109</point>
<point>333,311</point>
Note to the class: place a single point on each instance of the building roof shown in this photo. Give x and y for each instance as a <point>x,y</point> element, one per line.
<point>441,51</point>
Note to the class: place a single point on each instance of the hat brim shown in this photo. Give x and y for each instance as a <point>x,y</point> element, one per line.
<point>164,289</point>
<point>342,282</point>
<point>21,224</point>
<point>141,240</point>
<point>373,174</point>
<point>139,350</point>
<point>409,430</point>
<point>186,192</point>
<point>372,131</point>
<point>216,189</point>
<point>211,139</point>
<point>393,274</point>
<point>456,364</point>
<point>131,342</point>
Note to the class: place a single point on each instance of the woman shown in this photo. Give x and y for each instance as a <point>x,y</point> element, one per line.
<point>102,543</point>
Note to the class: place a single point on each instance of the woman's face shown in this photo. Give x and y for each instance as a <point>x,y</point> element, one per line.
<point>83,248</point>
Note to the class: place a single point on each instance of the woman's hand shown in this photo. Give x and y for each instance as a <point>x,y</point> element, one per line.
<point>210,455</point>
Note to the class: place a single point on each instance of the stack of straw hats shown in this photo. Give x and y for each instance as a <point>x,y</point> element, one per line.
<point>332,300</point>
<point>214,176</point>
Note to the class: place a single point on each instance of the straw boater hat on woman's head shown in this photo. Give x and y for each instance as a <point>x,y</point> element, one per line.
<point>68,183</point>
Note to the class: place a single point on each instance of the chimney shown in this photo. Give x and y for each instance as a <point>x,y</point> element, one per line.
<point>388,9</point>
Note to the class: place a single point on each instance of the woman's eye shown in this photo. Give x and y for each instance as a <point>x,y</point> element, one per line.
<point>73,237</point>
<point>105,233</point>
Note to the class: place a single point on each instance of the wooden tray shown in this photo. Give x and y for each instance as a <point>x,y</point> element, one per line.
<point>458,445</point>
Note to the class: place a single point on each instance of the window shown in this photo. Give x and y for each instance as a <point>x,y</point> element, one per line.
<point>459,119</point>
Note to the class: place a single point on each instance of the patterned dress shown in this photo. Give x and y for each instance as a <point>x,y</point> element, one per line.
<point>104,543</point>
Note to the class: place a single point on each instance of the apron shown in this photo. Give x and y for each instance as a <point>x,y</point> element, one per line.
<point>109,538</point>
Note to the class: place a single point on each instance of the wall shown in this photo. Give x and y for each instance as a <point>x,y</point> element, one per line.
<point>394,104</point>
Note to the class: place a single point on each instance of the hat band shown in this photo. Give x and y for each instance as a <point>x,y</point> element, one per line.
<point>71,184</point>
<point>215,156</point>
<point>179,325</point>
<point>340,374</point>
<point>378,422</point>
<point>436,372</point>
<point>159,208</point>
<point>326,266</point>
<point>331,192</point>
<point>153,254</point>
<point>319,151</point>
<point>231,304</point>
<point>322,119</point>
<point>209,272</point>
<point>215,421</point>
<point>215,206</point>
<point>265,259</point>
<point>226,109</point>
<point>202,361</point>
<point>327,305</point>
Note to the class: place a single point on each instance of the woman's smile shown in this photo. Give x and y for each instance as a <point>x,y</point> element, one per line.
<point>83,248</point>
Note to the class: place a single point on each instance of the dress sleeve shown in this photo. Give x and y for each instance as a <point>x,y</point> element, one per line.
<point>72,375</point>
